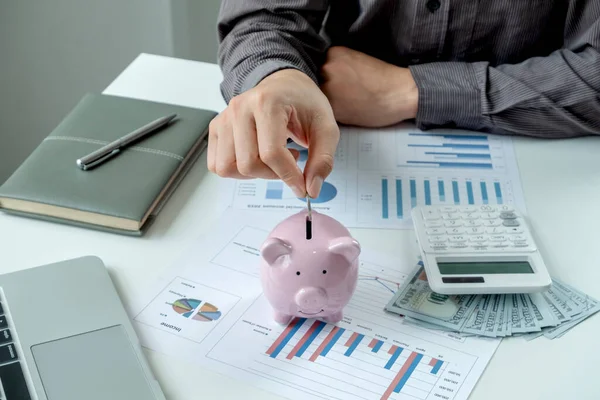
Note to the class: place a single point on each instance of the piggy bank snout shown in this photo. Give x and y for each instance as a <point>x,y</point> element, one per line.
<point>311,299</point>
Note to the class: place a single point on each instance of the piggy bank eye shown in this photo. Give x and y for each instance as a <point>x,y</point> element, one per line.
<point>324,271</point>
<point>298,273</point>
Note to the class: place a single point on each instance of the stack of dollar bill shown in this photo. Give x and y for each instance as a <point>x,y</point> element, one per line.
<point>551,313</point>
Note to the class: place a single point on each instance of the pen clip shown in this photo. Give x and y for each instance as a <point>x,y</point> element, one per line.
<point>100,160</point>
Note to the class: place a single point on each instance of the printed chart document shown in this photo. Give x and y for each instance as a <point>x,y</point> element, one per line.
<point>209,309</point>
<point>380,175</point>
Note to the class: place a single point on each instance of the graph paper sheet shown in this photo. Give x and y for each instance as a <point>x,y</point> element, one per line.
<point>209,309</point>
<point>380,175</point>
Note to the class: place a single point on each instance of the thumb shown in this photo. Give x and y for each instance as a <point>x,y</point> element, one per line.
<point>322,144</point>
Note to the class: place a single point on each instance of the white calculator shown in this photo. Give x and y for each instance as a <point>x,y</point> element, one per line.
<point>478,249</point>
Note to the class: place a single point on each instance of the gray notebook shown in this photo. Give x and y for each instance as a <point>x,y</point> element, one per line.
<point>122,195</point>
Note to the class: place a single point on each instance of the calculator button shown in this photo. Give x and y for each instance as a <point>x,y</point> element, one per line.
<point>508,215</point>
<point>448,209</point>
<point>478,238</point>
<point>487,208</point>
<point>450,216</point>
<point>471,223</point>
<point>493,222</point>
<point>457,238</point>
<point>517,238</point>
<point>510,222</point>
<point>458,245</point>
<point>468,209</point>
<point>494,230</point>
<point>438,246</point>
<point>480,246</point>
<point>433,224</point>
<point>475,230</point>
<point>498,238</point>
<point>520,243</point>
<point>456,231</point>
<point>435,231</point>
<point>499,245</point>
<point>452,224</point>
<point>489,215</point>
<point>430,215</point>
<point>471,216</point>
<point>514,230</point>
<point>506,208</point>
<point>437,239</point>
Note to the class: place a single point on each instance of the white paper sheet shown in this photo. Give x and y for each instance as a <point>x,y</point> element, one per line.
<point>380,175</point>
<point>209,309</point>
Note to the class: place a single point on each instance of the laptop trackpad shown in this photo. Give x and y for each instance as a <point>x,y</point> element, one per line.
<point>98,365</point>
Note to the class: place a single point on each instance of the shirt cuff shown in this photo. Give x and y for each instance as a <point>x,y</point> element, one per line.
<point>449,94</point>
<point>261,71</point>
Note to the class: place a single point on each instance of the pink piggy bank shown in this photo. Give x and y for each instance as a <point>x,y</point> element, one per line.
<point>309,270</point>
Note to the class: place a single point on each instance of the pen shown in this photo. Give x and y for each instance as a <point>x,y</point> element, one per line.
<point>112,149</point>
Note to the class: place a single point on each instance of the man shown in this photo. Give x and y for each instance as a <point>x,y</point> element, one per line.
<point>293,68</point>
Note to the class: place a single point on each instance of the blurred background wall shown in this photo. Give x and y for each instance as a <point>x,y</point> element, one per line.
<point>54,51</point>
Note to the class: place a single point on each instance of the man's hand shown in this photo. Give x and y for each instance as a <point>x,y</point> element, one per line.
<point>365,91</point>
<point>248,139</point>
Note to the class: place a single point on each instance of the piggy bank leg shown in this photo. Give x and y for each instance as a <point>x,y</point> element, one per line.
<point>281,318</point>
<point>334,318</point>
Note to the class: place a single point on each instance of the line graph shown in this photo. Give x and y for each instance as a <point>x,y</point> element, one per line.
<point>386,283</point>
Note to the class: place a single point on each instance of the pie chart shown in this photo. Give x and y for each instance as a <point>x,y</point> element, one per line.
<point>328,193</point>
<point>197,310</point>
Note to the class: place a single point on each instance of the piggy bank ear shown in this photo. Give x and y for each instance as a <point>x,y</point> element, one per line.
<point>345,247</point>
<point>274,248</point>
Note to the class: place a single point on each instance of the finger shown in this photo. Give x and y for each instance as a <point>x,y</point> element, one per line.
<point>225,161</point>
<point>323,141</point>
<point>211,156</point>
<point>272,136</point>
<point>248,161</point>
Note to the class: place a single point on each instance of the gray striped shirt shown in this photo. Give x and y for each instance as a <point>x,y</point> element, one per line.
<point>521,67</point>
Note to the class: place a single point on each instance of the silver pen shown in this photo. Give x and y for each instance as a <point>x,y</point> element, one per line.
<point>112,149</point>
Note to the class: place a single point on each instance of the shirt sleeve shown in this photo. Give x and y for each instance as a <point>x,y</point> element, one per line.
<point>260,37</point>
<point>553,96</point>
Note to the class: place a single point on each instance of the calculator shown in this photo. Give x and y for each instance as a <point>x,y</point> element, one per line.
<point>478,249</point>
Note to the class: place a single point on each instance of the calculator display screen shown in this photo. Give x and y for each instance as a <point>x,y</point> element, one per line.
<point>487,267</point>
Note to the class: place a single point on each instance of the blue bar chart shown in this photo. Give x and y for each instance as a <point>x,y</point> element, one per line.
<point>445,151</point>
<point>498,190</point>
<point>397,196</point>
<point>399,209</point>
<point>274,190</point>
<point>484,194</point>
<point>470,192</point>
<point>384,199</point>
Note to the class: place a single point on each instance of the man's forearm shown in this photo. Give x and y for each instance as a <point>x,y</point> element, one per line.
<point>259,37</point>
<point>552,96</point>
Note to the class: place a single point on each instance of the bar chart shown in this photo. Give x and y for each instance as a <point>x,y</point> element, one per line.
<point>445,150</point>
<point>380,175</point>
<point>369,355</point>
<point>412,373</point>
<point>396,195</point>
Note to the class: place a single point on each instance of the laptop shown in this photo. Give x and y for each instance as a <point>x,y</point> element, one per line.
<point>65,335</point>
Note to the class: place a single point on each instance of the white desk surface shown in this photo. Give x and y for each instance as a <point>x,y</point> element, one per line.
<point>561,181</point>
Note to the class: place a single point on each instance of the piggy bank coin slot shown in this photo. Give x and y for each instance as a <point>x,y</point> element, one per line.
<point>308,228</point>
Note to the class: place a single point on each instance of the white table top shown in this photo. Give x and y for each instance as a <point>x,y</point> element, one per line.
<point>561,182</point>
